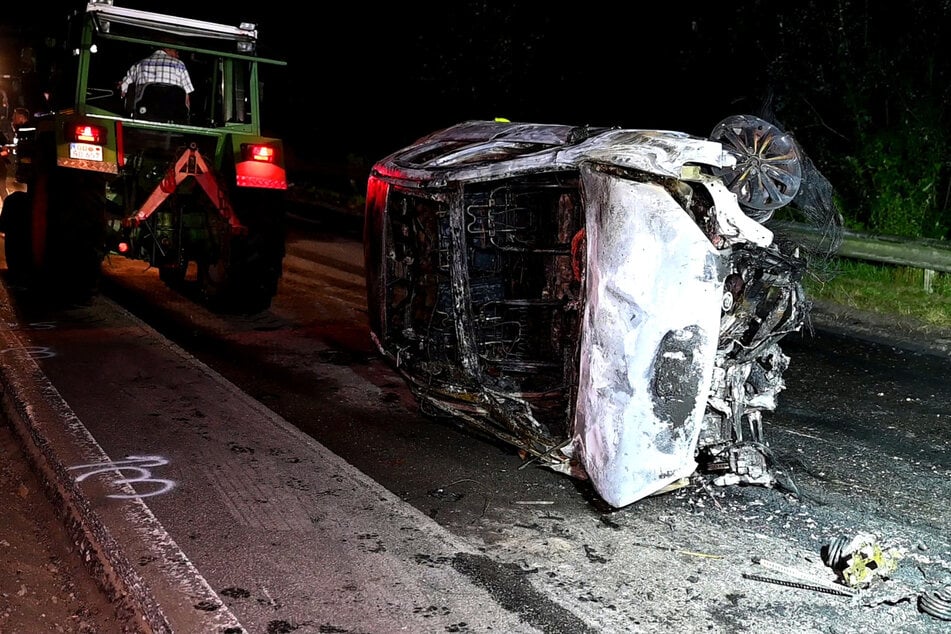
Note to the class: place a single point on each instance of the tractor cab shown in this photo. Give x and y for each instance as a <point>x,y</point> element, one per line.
<point>221,60</point>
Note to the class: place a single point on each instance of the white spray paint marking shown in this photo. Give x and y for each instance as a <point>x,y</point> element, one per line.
<point>33,325</point>
<point>181,574</point>
<point>137,465</point>
<point>32,352</point>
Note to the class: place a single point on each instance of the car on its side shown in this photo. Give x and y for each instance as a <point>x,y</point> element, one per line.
<point>610,301</point>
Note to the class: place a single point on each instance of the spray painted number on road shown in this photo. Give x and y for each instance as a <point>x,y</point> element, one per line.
<point>33,325</point>
<point>32,352</point>
<point>138,466</point>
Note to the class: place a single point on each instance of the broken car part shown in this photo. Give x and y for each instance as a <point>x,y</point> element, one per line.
<point>937,603</point>
<point>799,574</point>
<point>860,559</point>
<point>609,301</point>
<point>798,584</point>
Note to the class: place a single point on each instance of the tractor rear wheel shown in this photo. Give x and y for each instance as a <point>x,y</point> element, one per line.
<point>15,224</point>
<point>75,241</point>
<point>244,272</point>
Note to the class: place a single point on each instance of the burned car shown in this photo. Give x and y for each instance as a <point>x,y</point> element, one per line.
<point>609,301</point>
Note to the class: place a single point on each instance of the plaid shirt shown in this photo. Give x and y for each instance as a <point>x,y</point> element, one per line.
<point>158,68</point>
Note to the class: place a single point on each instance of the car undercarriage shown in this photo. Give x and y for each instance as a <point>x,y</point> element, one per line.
<point>608,301</point>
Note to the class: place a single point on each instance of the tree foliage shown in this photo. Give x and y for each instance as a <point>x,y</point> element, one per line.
<point>865,86</point>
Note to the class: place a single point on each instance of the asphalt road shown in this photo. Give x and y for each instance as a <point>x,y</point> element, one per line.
<point>380,519</point>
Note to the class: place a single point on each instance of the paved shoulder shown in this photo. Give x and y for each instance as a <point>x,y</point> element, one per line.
<point>207,512</point>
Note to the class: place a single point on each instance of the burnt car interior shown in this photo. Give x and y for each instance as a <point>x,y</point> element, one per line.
<point>522,294</point>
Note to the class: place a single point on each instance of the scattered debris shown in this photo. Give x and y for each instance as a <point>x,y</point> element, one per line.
<point>800,578</point>
<point>802,586</point>
<point>859,560</point>
<point>803,575</point>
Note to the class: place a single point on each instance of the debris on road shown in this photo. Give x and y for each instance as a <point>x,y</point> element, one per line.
<point>860,560</point>
<point>936,604</point>
<point>798,584</point>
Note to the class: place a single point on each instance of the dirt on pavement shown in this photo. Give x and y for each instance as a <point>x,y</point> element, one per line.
<point>44,587</point>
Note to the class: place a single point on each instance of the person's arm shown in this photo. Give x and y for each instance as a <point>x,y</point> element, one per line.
<point>187,85</point>
<point>127,80</point>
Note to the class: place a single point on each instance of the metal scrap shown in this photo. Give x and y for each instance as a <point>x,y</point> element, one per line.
<point>801,579</point>
<point>860,560</point>
<point>936,604</point>
<point>796,584</point>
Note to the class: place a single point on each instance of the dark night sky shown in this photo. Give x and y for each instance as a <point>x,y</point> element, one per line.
<point>367,79</point>
<point>377,78</point>
<point>863,85</point>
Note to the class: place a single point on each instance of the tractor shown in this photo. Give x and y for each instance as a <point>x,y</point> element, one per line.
<point>196,191</point>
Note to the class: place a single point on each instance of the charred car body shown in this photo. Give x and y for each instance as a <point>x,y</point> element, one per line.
<point>609,301</point>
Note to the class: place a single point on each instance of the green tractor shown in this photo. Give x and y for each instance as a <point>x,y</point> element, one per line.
<point>196,191</point>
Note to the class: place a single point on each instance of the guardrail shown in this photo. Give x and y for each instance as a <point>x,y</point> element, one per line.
<point>929,255</point>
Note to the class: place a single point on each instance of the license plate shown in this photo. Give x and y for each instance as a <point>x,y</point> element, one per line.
<point>85,151</point>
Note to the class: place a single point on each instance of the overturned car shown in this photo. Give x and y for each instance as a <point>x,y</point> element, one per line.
<point>607,300</point>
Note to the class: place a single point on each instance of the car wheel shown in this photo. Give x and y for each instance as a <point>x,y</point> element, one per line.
<point>768,170</point>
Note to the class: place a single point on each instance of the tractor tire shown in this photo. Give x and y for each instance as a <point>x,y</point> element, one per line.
<point>15,224</point>
<point>244,274</point>
<point>214,281</point>
<point>173,276</point>
<point>75,234</point>
<point>173,273</point>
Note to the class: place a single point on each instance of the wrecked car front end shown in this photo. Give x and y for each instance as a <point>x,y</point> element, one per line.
<point>596,297</point>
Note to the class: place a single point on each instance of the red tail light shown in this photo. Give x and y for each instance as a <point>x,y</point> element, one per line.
<point>120,145</point>
<point>86,133</point>
<point>261,165</point>
<point>260,153</point>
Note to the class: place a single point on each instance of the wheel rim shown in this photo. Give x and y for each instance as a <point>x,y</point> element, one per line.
<point>768,170</point>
